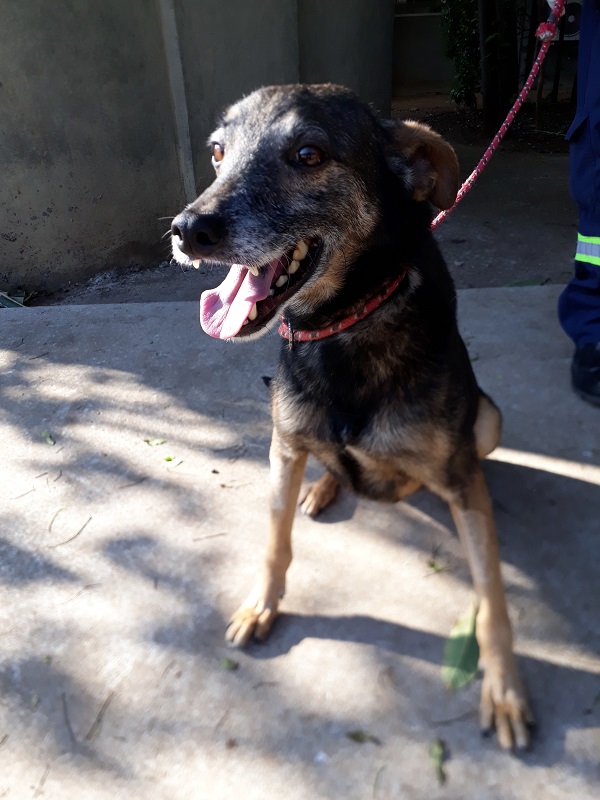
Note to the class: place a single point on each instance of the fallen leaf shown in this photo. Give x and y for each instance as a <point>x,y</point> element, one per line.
<point>47,437</point>
<point>229,664</point>
<point>437,751</point>
<point>377,780</point>
<point>360,737</point>
<point>433,564</point>
<point>533,282</point>
<point>461,653</point>
<point>155,442</point>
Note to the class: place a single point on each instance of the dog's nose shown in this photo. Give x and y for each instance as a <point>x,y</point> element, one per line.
<point>197,235</point>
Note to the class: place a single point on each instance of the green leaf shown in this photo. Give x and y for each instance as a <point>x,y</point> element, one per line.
<point>461,653</point>
<point>155,442</point>
<point>229,664</point>
<point>360,737</point>
<point>433,564</point>
<point>437,751</point>
<point>47,437</point>
<point>532,282</point>
<point>168,458</point>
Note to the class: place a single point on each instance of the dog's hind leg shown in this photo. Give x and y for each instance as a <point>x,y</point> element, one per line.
<point>323,492</point>
<point>255,616</point>
<point>319,495</point>
<point>503,701</point>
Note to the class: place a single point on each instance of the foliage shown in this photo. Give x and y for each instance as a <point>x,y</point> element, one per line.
<point>461,653</point>
<point>461,33</point>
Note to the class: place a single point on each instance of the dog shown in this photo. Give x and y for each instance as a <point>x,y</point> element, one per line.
<point>322,213</point>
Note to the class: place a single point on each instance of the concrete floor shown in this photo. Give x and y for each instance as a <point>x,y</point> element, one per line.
<point>119,569</point>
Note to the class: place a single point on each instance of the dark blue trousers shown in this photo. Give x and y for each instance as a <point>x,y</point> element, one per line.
<point>579,304</point>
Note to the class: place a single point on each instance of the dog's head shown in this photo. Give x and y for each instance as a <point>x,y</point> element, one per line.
<point>298,194</point>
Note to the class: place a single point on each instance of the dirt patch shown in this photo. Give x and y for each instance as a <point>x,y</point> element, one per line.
<point>465,127</point>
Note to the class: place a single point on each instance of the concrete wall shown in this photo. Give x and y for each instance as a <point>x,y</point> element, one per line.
<point>228,49</point>
<point>104,127</point>
<point>84,174</point>
<point>418,54</point>
<point>348,42</point>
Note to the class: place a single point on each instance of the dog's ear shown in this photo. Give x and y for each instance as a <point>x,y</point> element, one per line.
<point>432,172</point>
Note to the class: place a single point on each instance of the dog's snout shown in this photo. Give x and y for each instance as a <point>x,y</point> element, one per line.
<point>198,235</point>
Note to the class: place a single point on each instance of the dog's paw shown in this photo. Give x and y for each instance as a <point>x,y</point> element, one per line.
<point>504,707</point>
<point>319,495</point>
<point>252,620</point>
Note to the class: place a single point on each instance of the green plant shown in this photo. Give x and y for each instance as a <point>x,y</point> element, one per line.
<point>461,35</point>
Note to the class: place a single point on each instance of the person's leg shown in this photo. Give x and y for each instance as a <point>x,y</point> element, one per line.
<point>579,304</point>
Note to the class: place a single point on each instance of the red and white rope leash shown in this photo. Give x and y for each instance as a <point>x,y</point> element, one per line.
<point>545,33</point>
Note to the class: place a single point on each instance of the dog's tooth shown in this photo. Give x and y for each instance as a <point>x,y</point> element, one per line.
<point>253,270</point>
<point>281,281</point>
<point>196,263</point>
<point>300,251</point>
<point>253,312</point>
<point>294,267</point>
<point>271,292</point>
<point>245,322</point>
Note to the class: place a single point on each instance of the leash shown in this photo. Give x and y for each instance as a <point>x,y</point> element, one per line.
<point>545,33</point>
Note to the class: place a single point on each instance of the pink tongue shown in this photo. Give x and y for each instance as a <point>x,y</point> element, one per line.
<point>224,310</point>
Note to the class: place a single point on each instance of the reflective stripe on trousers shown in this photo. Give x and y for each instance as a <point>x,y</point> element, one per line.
<point>588,249</point>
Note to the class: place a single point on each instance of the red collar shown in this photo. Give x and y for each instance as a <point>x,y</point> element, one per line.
<point>285,329</point>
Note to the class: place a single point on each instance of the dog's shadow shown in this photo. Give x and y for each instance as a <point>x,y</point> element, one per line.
<point>562,697</point>
<point>547,527</point>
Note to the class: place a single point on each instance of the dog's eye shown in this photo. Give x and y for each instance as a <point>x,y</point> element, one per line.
<point>218,152</point>
<point>310,156</point>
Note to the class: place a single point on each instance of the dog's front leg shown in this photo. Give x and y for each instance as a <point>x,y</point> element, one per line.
<point>255,616</point>
<point>503,701</point>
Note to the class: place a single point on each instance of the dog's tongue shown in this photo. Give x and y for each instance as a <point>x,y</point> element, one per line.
<point>224,310</point>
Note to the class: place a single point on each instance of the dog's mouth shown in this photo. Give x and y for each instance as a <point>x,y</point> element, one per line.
<point>249,297</point>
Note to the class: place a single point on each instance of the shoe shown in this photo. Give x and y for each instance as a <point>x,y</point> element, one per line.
<point>585,372</point>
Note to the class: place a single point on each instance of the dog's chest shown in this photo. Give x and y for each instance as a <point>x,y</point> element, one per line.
<point>370,450</point>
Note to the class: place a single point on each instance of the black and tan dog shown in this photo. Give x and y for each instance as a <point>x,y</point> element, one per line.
<point>323,213</point>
